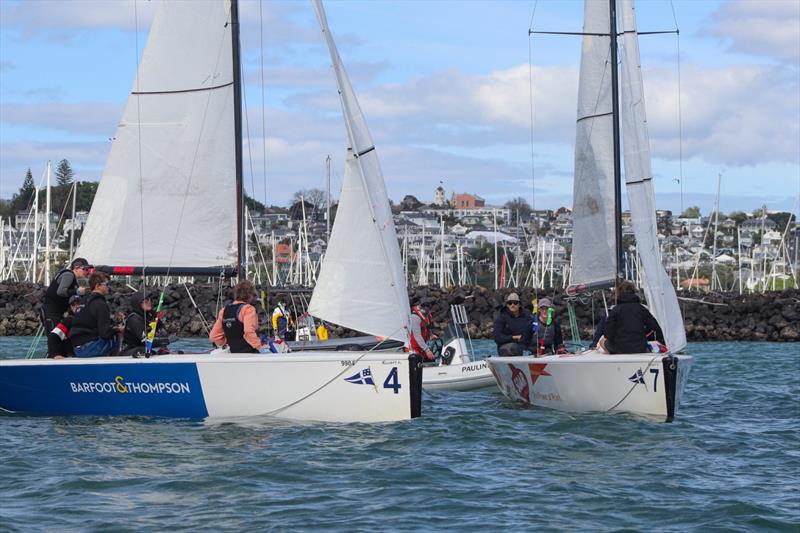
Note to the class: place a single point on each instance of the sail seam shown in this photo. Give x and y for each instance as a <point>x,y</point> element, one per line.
<point>598,115</point>
<point>180,91</point>
<point>640,180</point>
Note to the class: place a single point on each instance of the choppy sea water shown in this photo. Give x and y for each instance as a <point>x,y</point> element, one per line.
<point>474,461</point>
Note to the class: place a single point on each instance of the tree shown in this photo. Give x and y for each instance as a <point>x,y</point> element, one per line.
<point>781,219</point>
<point>296,210</point>
<point>691,212</point>
<point>61,191</point>
<point>21,201</point>
<point>85,196</point>
<point>410,203</point>
<point>64,174</point>
<point>738,217</point>
<point>254,205</point>
<point>519,207</point>
<point>315,197</point>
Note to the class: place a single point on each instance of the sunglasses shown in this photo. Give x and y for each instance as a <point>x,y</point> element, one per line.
<point>512,303</point>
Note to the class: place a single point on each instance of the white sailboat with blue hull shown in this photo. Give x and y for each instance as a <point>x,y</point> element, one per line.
<point>164,206</point>
<point>649,384</point>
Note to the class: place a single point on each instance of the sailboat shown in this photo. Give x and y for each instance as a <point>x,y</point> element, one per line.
<point>164,206</point>
<point>649,384</point>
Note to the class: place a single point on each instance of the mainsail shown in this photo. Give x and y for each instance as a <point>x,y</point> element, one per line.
<point>361,283</point>
<point>593,242</point>
<point>658,288</point>
<point>167,196</point>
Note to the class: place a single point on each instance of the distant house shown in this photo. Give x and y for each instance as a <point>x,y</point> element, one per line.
<point>467,201</point>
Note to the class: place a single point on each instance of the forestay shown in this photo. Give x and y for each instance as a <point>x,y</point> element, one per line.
<point>660,294</point>
<point>361,283</point>
<point>167,196</point>
<point>593,255</point>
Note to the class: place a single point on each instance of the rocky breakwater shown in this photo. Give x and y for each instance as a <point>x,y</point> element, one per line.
<point>774,316</point>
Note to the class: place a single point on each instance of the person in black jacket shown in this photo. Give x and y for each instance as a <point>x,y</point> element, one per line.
<point>93,333</point>
<point>63,286</point>
<point>512,327</point>
<point>137,325</point>
<point>59,344</point>
<point>629,324</point>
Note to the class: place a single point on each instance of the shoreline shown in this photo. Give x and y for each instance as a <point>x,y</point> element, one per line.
<point>772,316</point>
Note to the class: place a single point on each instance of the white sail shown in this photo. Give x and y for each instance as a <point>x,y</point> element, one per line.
<point>361,283</point>
<point>660,294</point>
<point>593,244</point>
<point>167,196</point>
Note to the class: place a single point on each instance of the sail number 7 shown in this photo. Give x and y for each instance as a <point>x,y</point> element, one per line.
<point>655,378</point>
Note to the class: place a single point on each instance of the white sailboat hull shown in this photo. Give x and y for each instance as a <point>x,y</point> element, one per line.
<point>644,384</point>
<point>473,375</point>
<point>311,386</point>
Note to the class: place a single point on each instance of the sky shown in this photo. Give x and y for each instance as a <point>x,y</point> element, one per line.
<point>446,90</point>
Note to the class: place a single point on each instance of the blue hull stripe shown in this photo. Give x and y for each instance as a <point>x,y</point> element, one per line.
<point>164,389</point>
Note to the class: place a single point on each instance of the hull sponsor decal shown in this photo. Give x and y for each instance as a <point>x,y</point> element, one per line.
<point>163,389</point>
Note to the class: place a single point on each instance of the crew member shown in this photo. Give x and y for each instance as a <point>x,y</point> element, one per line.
<point>237,323</point>
<point>64,285</point>
<point>547,336</point>
<point>93,333</point>
<point>629,324</point>
<point>420,324</point>
<point>137,324</point>
<point>59,345</point>
<point>512,328</point>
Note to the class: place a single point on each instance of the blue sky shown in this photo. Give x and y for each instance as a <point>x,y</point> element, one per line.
<point>445,90</point>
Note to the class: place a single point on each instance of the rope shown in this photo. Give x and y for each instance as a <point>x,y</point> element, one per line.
<point>35,343</point>
<point>347,368</point>
<point>194,304</point>
<point>573,322</point>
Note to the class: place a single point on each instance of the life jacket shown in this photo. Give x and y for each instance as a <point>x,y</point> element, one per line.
<point>322,333</point>
<point>543,335</point>
<point>424,328</point>
<point>58,304</point>
<point>234,329</point>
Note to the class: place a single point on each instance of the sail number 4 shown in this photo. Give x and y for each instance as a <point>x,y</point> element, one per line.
<point>392,381</point>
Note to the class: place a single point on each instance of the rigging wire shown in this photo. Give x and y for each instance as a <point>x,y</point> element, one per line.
<point>139,132</point>
<point>680,108</point>
<point>263,108</point>
<point>530,90</point>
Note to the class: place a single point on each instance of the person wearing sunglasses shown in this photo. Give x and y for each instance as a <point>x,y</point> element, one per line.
<point>93,332</point>
<point>58,293</point>
<point>512,327</point>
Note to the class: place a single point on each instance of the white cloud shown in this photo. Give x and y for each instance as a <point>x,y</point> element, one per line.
<point>762,27</point>
<point>90,118</point>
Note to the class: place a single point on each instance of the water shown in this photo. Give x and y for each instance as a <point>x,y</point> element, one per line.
<point>474,462</point>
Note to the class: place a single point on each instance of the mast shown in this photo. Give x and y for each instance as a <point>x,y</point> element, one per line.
<point>237,132</point>
<point>612,6</point>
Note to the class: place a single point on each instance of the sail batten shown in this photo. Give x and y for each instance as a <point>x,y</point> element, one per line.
<point>167,192</point>
<point>361,284</point>
<point>659,292</point>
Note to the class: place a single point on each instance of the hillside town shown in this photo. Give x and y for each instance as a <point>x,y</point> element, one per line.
<point>454,238</point>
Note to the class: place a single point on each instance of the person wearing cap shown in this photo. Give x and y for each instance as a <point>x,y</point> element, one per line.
<point>420,333</point>
<point>59,345</point>
<point>512,327</point>
<point>547,336</point>
<point>64,285</point>
<point>93,332</point>
<point>136,325</point>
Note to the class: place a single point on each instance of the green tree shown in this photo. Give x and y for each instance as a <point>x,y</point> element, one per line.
<point>691,212</point>
<point>254,205</point>
<point>64,173</point>
<point>21,201</point>
<point>85,196</point>
<point>781,219</point>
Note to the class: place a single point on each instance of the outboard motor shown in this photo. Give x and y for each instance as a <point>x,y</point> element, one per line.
<point>447,355</point>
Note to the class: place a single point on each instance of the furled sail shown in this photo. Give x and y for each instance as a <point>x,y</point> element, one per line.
<point>660,294</point>
<point>593,243</point>
<point>167,196</point>
<point>361,284</point>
